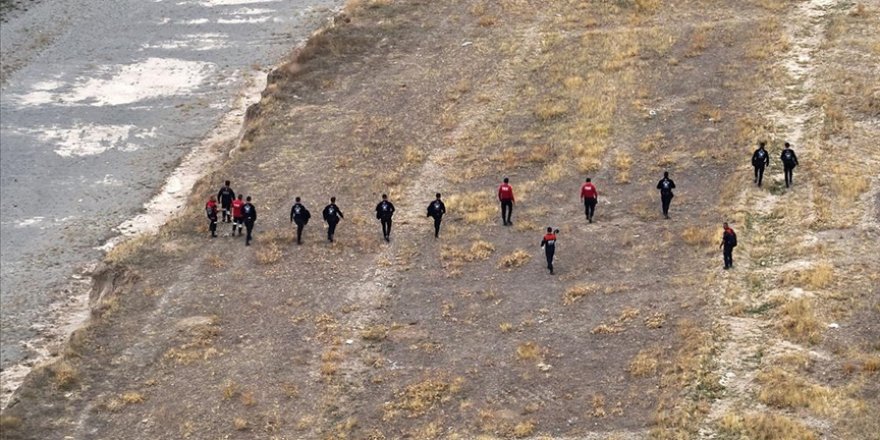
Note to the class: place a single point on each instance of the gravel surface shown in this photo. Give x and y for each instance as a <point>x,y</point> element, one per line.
<point>100,101</point>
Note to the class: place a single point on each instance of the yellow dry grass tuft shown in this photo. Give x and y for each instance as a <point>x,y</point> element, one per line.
<point>419,398</point>
<point>528,351</point>
<point>798,321</point>
<point>764,426</point>
<point>818,276</point>
<point>65,375</point>
<point>269,253</point>
<point>240,424</point>
<point>515,259</point>
<point>781,389</point>
<point>524,429</point>
<point>376,333</point>
<point>550,110</point>
<point>132,397</point>
<point>575,293</point>
<point>700,236</point>
<point>622,163</point>
<point>474,207</point>
<point>479,250</point>
<point>644,363</point>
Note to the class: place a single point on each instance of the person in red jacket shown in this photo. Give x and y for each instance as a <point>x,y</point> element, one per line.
<point>505,195</point>
<point>211,212</point>
<point>237,215</point>
<point>728,242</point>
<point>549,245</point>
<point>590,196</point>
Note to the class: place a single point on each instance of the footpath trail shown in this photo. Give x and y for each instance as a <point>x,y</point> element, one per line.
<point>92,127</point>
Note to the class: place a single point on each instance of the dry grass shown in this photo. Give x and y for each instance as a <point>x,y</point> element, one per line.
<point>474,207</point>
<point>700,236</point>
<point>550,110</point>
<point>479,250</point>
<point>818,276</point>
<point>64,375</point>
<point>524,429</point>
<point>240,424</point>
<point>413,156</point>
<point>419,398</point>
<point>375,333</point>
<point>123,252</point>
<point>622,163</point>
<point>781,389</point>
<point>269,253</point>
<point>528,351</point>
<point>764,426</point>
<point>798,322</point>
<point>575,293</point>
<point>644,363</point>
<point>655,320</point>
<point>505,327</point>
<point>515,259</point>
<point>132,397</point>
<point>9,423</point>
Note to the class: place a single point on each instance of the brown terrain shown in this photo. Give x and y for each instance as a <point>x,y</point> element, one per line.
<point>640,334</point>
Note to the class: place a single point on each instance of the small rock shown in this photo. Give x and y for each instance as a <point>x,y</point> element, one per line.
<point>467,43</point>
<point>544,367</point>
<point>834,325</point>
<point>349,341</point>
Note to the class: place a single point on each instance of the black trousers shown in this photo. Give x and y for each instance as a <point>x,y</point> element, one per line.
<point>549,251</point>
<point>331,228</point>
<point>299,231</point>
<point>437,220</point>
<point>227,214</point>
<point>589,208</point>
<point>506,211</point>
<point>789,175</point>
<point>386,227</point>
<point>237,221</point>
<point>759,174</point>
<point>213,227</point>
<point>728,256</point>
<point>666,200</point>
<point>249,226</point>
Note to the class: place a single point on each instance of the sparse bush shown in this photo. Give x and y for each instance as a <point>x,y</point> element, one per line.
<point>474,207</point>
<point>644,363</point>
<point>528,351</point>
<point>798,321</point>
<point>518,258</point>
<point>269,253</point>
<point>764,426</point>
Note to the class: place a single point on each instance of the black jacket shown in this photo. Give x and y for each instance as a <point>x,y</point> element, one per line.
<point>760,158</point>
<point>788,158</point>
<point>299,214</point>
<point>728,239</point>
<point>225,196</point>
<point>384,210</point>
<point>436,209</point>
<point>249,211</point>
<point>332,213</point>
<point>666,185</point>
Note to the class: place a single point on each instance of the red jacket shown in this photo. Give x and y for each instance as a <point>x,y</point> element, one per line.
<point>211,210</point>
<point>588,191</point>
<point>236,208</point>
<point>505,192</point>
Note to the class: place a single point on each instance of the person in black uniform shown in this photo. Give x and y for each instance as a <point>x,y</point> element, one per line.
<point>789,162</point>
<point>299,215</point>
<point>436,209</point>
<point>728,242</point>
<point>226,195</point>
<point>760,159</point>
<point>549,245</point>
<point>250,217</point>
<point>384,212</point>
<point>666,185</point>
<point>332,214</point>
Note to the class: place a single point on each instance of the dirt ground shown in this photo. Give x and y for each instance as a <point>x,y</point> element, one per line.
<point>639,334</point>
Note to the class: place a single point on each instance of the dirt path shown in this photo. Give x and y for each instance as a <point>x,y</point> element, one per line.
<point>747,338</point>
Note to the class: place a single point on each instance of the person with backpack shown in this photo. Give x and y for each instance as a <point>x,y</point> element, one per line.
<point>249,212</point>
<point>760,159</point>
<point>590,196</point>
<point>211,212</point>
<point>436,209</point>
<point>332,214</point>
<point>299,215</point>
<point>505,196</point>
<point>384,212</point>
<point>549,245</point>
<point>226,195</point>
<point>789,162</point>
<point>666,185</point>
<point>728,242</point>
<point>237,216</point>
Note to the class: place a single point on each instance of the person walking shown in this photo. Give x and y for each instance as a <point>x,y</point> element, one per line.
<point>505,196</point>
<point>789,162</point>
<point>211,212</point>
<point>666,185</point>
<point>332,214</point>
<point>250,217</point>
<point>436,209</point>
<point>384,212</point>
<point>237,215</point>
<point>549,245</point>
<point>299,215</point>
<point>728,242</point>
<point>760,159</point>
<point>226,195</point>
<point>590,196</point>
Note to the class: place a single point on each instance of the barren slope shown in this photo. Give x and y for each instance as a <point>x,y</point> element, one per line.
<point>636,334</point>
